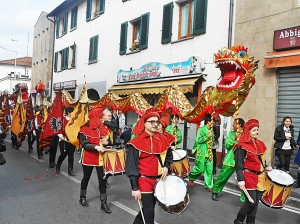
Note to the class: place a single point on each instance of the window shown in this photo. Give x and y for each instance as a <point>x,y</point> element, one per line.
<point>94,8</point>
<point>72,55</point>
<point>186,19</point>
<point>139,35</point>
<point>192,18</point>
<point>74,18</point>
<point>93,53</point>
<point>62,25</point>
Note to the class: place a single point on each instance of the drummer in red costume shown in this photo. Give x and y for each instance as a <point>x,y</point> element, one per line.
<point>148,158</point>
<point>250,168</point>
<point>91,139</point>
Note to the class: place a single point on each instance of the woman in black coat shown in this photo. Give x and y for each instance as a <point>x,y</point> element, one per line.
<point>285,143</point>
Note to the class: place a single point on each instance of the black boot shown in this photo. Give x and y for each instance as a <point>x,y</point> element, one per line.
<point>239,219</point>
<point>70,170</point>
<point>104,206</point>
<point>57,169</point>
<point>297,184</point>
<point>82,200</point>
<point>250,220</point>
<point>236,221</point>
<point>214,197</point>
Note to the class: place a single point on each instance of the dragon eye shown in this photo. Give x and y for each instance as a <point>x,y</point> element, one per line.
<point>242,54</point>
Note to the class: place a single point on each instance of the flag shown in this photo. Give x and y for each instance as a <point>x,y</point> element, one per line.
<point>29,125</point>
<point>54,122</point>
<point>19,117</point>
<point>78,118</point>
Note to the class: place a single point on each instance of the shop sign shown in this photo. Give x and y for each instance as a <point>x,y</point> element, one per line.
<point>64,85</point>
<point>156,70</point>
<point>288,38</point>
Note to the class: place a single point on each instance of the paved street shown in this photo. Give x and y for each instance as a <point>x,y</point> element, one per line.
<point>31,192</point>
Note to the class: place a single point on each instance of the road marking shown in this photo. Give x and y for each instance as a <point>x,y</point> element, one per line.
<point>126,209</point>
<point>237,193</point>
<point>70,177</point>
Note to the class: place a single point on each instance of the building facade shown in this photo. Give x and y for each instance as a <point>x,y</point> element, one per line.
<point>42,55</point>
<point>100,42</point>
<point>14,71</point>
<point>270,30</point>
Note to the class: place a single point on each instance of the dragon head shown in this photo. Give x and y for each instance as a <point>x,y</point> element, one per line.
<point>237,68</point>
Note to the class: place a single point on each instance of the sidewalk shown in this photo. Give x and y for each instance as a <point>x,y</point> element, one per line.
<point>292,201</point>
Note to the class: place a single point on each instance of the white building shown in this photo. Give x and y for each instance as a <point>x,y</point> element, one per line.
<point>14,71</point>
<point>94,44</point>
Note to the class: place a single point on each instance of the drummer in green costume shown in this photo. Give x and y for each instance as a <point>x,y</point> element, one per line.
<point>203,154</point>
<point>228,167</point>
<point>174,130</point>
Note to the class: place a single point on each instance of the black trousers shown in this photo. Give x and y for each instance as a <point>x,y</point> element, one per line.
<point>250,209</point>
<point>66,149</point>
<point>214,151</point>
<point>87,172</point>
<point>284,161</point>
<point>38,150</point>
<point>13,139</point>
<point>30,139</point>
<point>53,148</point>
<point>148,202</point>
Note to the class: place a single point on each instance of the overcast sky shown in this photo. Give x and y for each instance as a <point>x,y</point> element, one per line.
<point>17,20</point>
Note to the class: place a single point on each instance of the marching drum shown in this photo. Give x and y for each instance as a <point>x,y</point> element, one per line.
<point>181,163</point>
<point>114,161</point>
<point>279,185</point>
<point>171,194</point>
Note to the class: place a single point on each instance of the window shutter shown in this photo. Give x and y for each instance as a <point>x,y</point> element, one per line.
<point>74,17</point>
<point>73,56</point>
<point>96,48</point>
<point>144,31</point>
<point>57,28</point>
<point>88,10</point>
<point>102,6</point>
<point>123,38</point>
<point>91,49</point>
<point>200,11</point>
<point>55,61</point>
<point>66,22</point>
<point>167,23</point>
<point>67,58</point>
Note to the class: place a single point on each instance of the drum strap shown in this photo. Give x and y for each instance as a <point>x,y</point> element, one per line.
<point>159,159</point>
<point>264,166</point>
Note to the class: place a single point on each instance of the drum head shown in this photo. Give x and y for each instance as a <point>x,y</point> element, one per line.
<point>171,191</point>
<point>178,154</point>
<point>280,177</point>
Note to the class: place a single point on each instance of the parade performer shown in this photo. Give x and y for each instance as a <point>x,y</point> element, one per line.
<point>203,154</point>
<point>228,167</point>
<point>66,148</point>
<point>111,124</point>
<point>148,158</point>
<point>91,156</point>
<point>174,130</point>
<point>250,168</point>
<point>38,125</point>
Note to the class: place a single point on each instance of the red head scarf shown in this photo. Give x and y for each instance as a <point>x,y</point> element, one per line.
<point>253,145</point>
<point>95,115</point>
<point>140,125</point>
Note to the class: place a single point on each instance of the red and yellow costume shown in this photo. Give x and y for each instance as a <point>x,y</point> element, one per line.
<point>250,165</point>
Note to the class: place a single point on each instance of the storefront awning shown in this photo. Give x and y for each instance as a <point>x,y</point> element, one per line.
<point>282,59</point>
<point>186,85</point>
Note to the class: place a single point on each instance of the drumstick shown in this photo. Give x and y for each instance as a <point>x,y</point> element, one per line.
<point>247,194</point>
<point>139,201</point>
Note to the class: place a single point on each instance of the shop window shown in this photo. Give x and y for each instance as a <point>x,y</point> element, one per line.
<point>192,18</point>
<point>94,8</point>
<point>72,55</point>
<point>74,13</point>
<point>93,52</point>
<point>138,38</point>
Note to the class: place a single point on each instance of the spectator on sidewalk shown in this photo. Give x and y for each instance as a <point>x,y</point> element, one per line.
<point>284,143</point>
<point>297,161</point>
